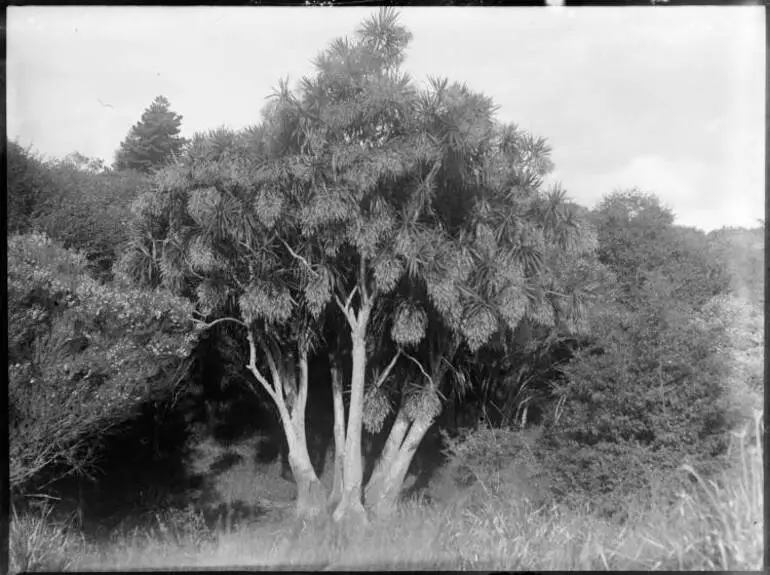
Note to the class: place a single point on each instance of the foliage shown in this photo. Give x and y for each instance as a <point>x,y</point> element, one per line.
<point>36,543</point>
<point>30,187</point>
<point>709,526</point>
<point>91,213</point>
<point>743,351</point>
<point>648,395</point>
<point>152,141</point>
<point>637,240</point>
<point>83,208</point>
<point>81,355</point>
<point>83,163</point>
<point>404,216</point>
<point>496,462</point>
<point>742,252</point>
<point>650,389</point>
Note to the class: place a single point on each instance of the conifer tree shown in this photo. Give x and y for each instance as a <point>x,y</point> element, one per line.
<point>152,141</point>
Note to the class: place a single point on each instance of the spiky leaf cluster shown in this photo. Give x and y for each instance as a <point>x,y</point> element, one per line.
<point>445,296</point>
<point>541,312</point>
<point>268,204</point>
<point>376,409</point>
<point>263,300</point>
<point>201,256</point>
<point>210,297</point>
<point>388,269</point>
<point>423,404</point>
<point>513,305</point>
<point>318,291</point>
<point>325,208</point>
<point>479,323</point>
<point>150,203</point>
<point>203,204</point>
<point>366,233</point>
<point>409,324</point>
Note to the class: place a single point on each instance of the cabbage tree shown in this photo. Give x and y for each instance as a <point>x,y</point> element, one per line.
<point>406,220</point>
<point>421,221</point>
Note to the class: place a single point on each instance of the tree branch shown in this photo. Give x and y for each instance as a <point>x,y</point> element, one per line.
<point>346,312</point>
<point>302,391</point>
<point>299,257</point>
<point>548,291</point>
<point>270,362</point>
<point>362,280</point>
<point>422,369</point>
<point>386,373</point>
<point>252,367</point>
<point>350,298</point>
<point>215,322</point>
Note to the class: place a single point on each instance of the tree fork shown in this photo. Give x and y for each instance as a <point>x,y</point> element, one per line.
<point>311,495</point>
<point>351,501</point>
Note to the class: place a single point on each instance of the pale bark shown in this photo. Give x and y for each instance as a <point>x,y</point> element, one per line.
<point>383,492</point>
<point>395,438</point>
<point>339,429</point>
<point>350,504</point>
<point>311,495</point>
<point>387,480</point>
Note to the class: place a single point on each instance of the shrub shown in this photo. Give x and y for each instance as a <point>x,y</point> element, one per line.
<point>80,208</point>
<point>647,397</point>
<point>91,212</point>
<point>496,463</point>
<point>82,356</point>
<point>183,527</point>
<point>30,189</point>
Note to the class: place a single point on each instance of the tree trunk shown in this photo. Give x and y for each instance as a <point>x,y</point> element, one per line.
<point>384,488</point>
<point>311,495</point>
<point>339,429</point>
<point>396,437</point>
<point>350,504</point>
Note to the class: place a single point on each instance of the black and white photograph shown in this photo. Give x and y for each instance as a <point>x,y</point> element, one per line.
<point>325,287</point>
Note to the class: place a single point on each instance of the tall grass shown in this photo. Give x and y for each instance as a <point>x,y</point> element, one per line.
<point>714,525</point>
<point>38,543</point>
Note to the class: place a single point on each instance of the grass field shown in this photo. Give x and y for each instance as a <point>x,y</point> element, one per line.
<point>714,526</point>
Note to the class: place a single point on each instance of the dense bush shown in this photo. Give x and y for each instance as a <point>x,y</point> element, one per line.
<point>492,462</point>
<point>76,206</point>
<point>92,212</point>
<point>29,187</point>
<point>742,252</point>
<point>647,397</point>
<point>743,350</point>
<point>81,355</point>
<point>638,241</point>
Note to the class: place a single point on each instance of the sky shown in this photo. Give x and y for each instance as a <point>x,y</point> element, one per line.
<point>666,99</point>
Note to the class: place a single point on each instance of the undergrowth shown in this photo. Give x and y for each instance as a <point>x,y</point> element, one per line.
<point>712,525</point>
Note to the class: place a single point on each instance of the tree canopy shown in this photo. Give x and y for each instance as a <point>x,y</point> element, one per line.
<point>409,218</point>
<point>152,141</point>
